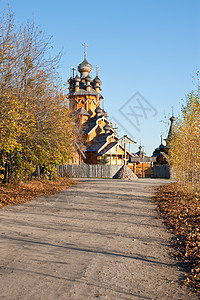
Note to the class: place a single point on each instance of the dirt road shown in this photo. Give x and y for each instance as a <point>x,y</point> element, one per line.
<point>101,239</point>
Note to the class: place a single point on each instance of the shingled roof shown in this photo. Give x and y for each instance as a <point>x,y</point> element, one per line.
<point>92,123</point>
<point>89,125</point>
<point>82,92</point>
<point>83,111</point>
<point>98,142</point>
<point>107,148</point>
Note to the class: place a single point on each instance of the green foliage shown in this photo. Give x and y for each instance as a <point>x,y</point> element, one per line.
<point>104,160</point>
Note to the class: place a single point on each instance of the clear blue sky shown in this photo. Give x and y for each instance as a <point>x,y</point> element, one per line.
<point>150,47</point>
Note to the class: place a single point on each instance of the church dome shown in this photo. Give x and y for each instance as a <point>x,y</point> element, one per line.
<point>77,78</point>
<point>71,80</point>
<point>97,80</point>
<point>105,113</point>
<point>172,127</point>
<point>173,119</point>
<point>107,128</point>
<point>88,78</point>
<point>98,111</point>
<point>85,68</point>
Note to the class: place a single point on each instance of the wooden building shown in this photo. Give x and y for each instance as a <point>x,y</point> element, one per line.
<point>142,165</point>
<point>161,152</point>
<point>100,139</point>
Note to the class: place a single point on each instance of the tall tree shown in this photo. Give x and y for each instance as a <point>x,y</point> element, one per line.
<point>36,126</point>
<point>185,146</point>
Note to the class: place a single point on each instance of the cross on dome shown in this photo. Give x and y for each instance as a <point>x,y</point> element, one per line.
<point>85,67</point>
<point>71,70</point>
<point>85,48</point>
<point>97,71</point>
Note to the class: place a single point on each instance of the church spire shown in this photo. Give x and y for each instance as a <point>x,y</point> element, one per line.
<point>172,125</point>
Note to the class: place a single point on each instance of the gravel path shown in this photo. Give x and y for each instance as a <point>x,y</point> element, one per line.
<point>101,239</point>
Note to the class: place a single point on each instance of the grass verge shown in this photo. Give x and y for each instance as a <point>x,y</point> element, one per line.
<point>180,209</point>
<point>19,193</point>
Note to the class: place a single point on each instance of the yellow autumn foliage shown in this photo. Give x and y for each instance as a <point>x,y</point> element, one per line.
<point>185,145</point>
<point>36,126</point>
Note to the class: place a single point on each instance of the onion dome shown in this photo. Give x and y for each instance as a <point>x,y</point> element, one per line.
<point>71,80</point>
<point>97,80</point>
<point>172,127</point>
<point>84,68</point>
<point>88,78</point>
<point>172,119</point>
<point>98,111</point>
<point>161,146</point>
<point>77,78</point>
<point>105,113</point>
<point>107,128</point>
<point>140,152</point>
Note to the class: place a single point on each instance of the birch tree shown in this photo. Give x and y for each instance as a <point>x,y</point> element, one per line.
<point>185,146</point>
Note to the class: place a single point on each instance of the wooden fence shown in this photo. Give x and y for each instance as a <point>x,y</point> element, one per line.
<point>105,171</point>
<point>162,171</point>
<point>89,171</point>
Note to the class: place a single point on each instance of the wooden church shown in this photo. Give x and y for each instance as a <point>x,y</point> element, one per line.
<point>101,141</point>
